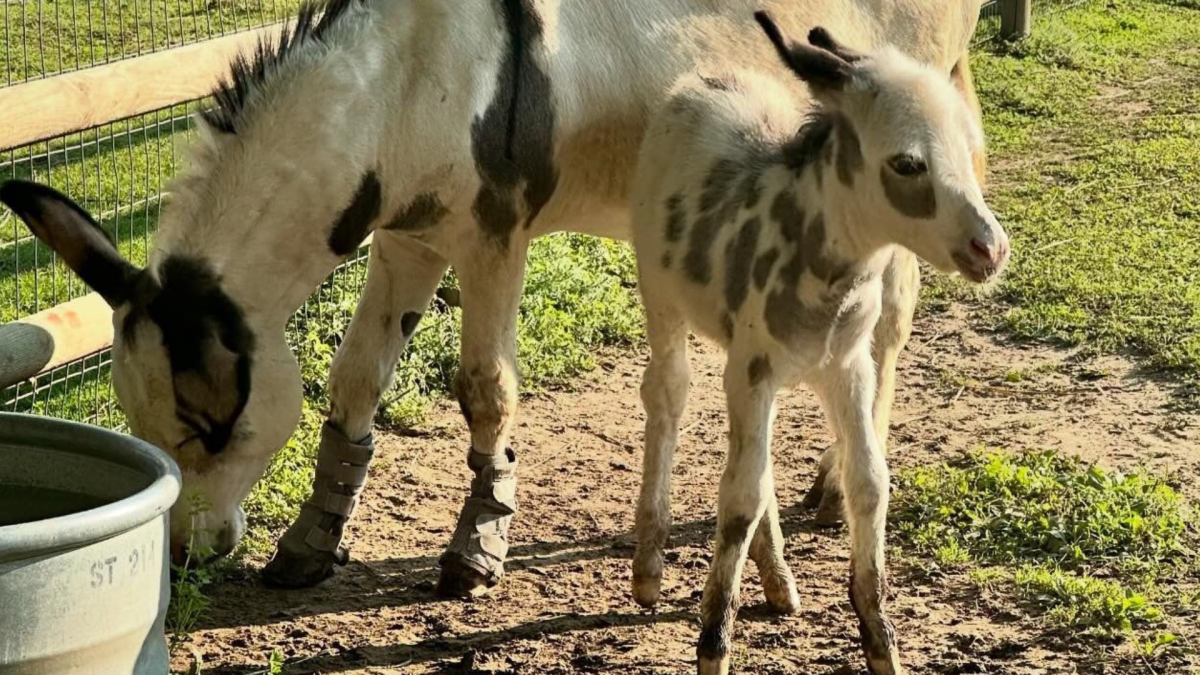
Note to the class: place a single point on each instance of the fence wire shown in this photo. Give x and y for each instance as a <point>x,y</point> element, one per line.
<point>988,28</point>
<point>41,38</point>
<point>120,171</point>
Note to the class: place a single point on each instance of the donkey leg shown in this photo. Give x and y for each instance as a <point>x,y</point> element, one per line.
<point>847,395</point>
<point>401,278</point>
<point>744,495</point>
<point>901,286</point>
<point>664,395</point>
<point>486,387</point>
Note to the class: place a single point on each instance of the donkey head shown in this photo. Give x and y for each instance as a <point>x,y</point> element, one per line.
<point>906,145</point>
<point>195,371</point>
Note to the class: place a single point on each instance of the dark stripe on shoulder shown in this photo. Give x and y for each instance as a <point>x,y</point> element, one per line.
<point>355,221</point>
<point>513,141</point>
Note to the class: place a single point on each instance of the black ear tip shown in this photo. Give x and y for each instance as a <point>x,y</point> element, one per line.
<point>18,191</point>
<point>819,37</point>
<point>763,17</point>
<point>18,195</point>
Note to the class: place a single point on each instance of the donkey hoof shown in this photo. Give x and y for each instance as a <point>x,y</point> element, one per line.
<point>462,581</point>
<point>289,570</point>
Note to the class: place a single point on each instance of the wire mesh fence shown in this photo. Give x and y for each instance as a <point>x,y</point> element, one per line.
<point>988,28</point>
<point>46,37</point>
<point>120,171</point>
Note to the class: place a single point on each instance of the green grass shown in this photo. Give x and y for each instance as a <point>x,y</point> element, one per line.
<point>1090,549</point>
<point>1094,130</point>
<point>52,36</point>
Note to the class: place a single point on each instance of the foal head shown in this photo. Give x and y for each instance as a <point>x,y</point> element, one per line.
<point>906,145</point>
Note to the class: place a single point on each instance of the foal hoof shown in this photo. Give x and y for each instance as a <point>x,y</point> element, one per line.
<point>462,581</point>
<point>829,513</point>
<point>290,570</point>
<point>812,498</point>
<point>647,590</point>
<point>716,665</point>
<point>781,593</point>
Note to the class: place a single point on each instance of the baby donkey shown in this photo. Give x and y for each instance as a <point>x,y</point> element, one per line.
<point>766,222</point>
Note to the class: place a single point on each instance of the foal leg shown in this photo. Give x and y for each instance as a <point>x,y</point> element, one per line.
<point>744,496</point>
<point>901,288</point>
<point>766,550</point>
<point>664,395</point>
<point>402,276</point>
<point>848,394</point>
<point>486,387</point>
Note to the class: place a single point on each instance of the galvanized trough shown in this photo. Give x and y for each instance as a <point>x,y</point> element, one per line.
<point>84,576</point>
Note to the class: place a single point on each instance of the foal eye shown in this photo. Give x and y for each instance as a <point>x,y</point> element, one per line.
<point>907,166</point>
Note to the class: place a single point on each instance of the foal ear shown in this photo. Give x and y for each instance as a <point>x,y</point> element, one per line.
<point>822,69</point>
<point>71,232</point>
<point>821,38</point>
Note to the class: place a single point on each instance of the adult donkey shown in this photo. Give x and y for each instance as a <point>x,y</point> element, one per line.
<point>456,131</point>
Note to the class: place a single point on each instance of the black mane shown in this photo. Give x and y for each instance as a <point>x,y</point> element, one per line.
<point>249,74</point>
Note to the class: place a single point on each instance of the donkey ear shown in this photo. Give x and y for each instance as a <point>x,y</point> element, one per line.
<point>71,232</point>
<point>822,69</point>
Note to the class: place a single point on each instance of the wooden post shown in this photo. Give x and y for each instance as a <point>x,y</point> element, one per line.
<point>24,350</point>
<point>1016,19</point>
<point>44,341</point>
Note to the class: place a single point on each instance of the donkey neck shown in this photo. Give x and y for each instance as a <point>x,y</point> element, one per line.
<point>271,183</point>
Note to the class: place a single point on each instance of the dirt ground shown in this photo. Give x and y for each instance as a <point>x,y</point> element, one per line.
<point>565,605</point>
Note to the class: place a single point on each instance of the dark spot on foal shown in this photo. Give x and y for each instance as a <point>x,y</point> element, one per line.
<point>763,267</point>
<point>759,370</point>
<point>408,323</point>
<point>714,640</point>
<point>355,220</point>
<point>739,258</point>
<point>717,184</point>
<point>749,191</point>
<point>667,260</point>
<point>849,158</point>
<point>513,141</point>
<point>913,197</point>
<point>676,222</point>
<point>786,316</point>
<point>735,531</point>
<point>788,215</point>
<point>727,325</point>
<point>423,213</point>
<point>717,83</point>
<point>806,147</point>
<point>716,209</point>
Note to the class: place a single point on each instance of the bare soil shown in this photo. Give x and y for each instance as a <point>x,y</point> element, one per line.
<point>565,606</point>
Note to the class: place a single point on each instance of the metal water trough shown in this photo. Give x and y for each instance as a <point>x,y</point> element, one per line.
<point>84,576</point>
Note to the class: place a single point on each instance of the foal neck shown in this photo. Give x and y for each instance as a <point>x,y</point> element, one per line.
<point>826,163</point>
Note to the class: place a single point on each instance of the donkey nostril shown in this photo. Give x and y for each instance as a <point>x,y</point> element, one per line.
<point>981,248</point>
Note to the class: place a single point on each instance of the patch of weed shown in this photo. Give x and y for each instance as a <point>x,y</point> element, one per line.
<point>1080,602</point>
<point>1043,506</point>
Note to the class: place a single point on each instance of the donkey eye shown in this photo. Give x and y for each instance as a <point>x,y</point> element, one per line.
<point>907,166</point>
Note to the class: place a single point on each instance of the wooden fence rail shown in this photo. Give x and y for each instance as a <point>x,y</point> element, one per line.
<point>71,102</point>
